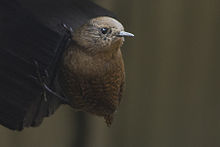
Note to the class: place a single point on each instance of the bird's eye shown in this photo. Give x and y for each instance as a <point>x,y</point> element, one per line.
<point>104,30</point>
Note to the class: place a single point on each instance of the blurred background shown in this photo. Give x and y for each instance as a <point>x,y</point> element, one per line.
<point>172,96</point>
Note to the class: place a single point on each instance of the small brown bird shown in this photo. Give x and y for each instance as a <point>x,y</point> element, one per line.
<point>92,73</point>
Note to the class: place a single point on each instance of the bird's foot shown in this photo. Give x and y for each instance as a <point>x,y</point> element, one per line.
<point>68,29</point>
<point>108,119</point>
<point>42,81</point>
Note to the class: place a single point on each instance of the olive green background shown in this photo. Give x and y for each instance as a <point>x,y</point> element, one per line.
<point>172,96</point>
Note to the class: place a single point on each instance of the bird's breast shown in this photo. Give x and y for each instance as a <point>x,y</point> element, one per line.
<point>93,84</point>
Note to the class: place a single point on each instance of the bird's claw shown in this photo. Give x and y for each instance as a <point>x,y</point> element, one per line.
<point>67,28</point>
<point>54,93</point>
<point>108,120</point>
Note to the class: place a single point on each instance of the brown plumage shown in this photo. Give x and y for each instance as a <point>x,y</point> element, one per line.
<point>92,73</point>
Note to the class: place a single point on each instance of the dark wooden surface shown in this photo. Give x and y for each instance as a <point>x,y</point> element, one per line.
<point>31,31</point>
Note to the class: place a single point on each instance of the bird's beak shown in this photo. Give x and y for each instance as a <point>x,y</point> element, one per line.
<point>125,34</point>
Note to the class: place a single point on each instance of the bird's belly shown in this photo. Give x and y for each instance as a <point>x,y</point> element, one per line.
<point>99,95</point>
<point>93,86</point>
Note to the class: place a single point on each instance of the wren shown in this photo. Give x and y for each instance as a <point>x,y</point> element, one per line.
<point>92,74</point>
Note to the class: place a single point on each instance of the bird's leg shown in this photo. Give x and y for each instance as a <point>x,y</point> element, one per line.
<point>44,86</point>
<point>68,29</point>
<point>108,119</point>
<point>41,80</point>
<point>55,94</point>
<point>46,73</point>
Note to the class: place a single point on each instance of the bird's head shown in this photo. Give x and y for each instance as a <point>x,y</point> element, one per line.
<point>100,34</point>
